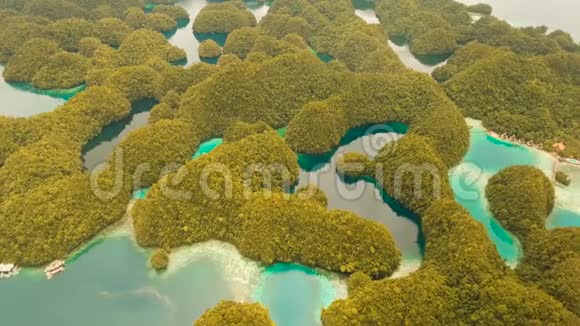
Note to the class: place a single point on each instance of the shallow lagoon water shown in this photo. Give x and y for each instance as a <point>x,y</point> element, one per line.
<point>556,14</point>
<point>99,149</point>
<point>366,10</point>
<point>425,63</point>
<point>295,294</point>
<point>487,156</point>
<point>112,274</point>
<point>23,100</point>
<point>185,38</point>
<point>365,197</point>
<point>113,286</point>
<point>362,197</point>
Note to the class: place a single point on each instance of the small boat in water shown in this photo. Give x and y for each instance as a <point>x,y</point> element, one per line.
<point>54,268</point>
<point>8,270</point>
<point>572,161</point>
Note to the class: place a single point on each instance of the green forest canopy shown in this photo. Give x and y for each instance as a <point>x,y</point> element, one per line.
<point>462,278</point>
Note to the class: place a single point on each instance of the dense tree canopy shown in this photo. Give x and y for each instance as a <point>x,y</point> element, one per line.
<point>521,198</point>
<point>462,280</point>
<point>112,31</point>
<point>480,8</point>
<point>410,98</point>
<point>337,240</point>
<point>175,12</point>
<point>241,41</point>
<point>141,45</point>
<point>223,18</point>
<point>88,46</point>
<point>159,260</point>
<point>209,49</point>
<point>49,206</point>
<point>227,59</point>
<point>354,165</point>
<point>62,70</point>
<point>320,121</point>
<point>29,59</point>
<point>51,220</point>
<point>233,313</point>
<point>312,192</point>
<point>295,79</point>
<point>532,98</point>
<point>239,130</point>
<point>563,178</point>
<point>49,159</point>
<point>148,151</point>
<point>158,21</point>
<point>433,42</point>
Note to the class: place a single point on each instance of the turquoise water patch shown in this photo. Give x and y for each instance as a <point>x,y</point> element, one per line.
<point>562,217</point>
<point>211,61</point>
<point>219,38</point>
<point>294,294</point>
<point>64,94</point>
<point>363,4</point>
<point>492,154</point>
<point>487,156</point>
<point>421,63</point>
<point>207,147</point>
<point>282,132</point>
<point>314,162</point>
<point>149,7</point>
<point>114,278</point>
<point>365,9</point>
<point>141,193</point>
<point>23,100</point>
<point>323,57</point>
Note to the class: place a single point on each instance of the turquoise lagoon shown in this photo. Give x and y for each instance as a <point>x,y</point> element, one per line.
<point>112,275</point>
<point>487,156</point>
<point>23,100</point>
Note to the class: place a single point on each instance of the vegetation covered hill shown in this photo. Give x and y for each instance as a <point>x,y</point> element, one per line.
<point>233,313</point>
<point>533,98</point>
<point>521,198</point>
<point>462,280</point>
<point>223,17</point>
<point>441,26</point>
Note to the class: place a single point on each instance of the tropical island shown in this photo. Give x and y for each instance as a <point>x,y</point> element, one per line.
<point>521,82</point>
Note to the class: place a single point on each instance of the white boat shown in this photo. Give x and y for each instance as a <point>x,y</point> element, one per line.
<point>8,270</point>
<point>572,161</point>
<point>54,268</point>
